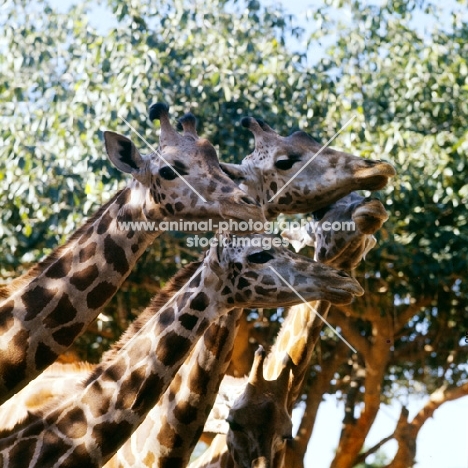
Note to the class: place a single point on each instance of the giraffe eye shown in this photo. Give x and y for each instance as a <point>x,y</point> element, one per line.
<point>285,164</point>
<point>167,173</point>
<point>233,425</point>
<point>260,257</point>
<point>319,214</point>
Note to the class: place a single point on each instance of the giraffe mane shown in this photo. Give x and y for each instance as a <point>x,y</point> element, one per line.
<point>38,268</point>
<point>157,302</point>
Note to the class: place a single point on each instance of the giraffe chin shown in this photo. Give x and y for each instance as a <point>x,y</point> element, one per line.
<point>244,215</point>
<point>340,297</point>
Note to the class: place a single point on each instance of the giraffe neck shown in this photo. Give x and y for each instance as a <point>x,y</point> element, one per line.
<point>172,428</point>
<point>297,337</point>
<point>89,427</point>
<point>56,300</point>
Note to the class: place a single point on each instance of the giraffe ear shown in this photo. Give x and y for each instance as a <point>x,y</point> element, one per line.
<point>123,153</point>
<point>234,171</point>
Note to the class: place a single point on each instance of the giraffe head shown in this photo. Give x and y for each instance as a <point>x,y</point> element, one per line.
<point>342,233</point>
<point>295,174</point>
<point>182,179</point>
<point>259,423</point>
<point>250,271</point>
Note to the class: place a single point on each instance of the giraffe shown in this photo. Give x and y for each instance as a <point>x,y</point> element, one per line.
<point>46,309</point>
<point>260,395</point>
<point>281,175</point>
<point>88,427</point>
<point>297,338</point>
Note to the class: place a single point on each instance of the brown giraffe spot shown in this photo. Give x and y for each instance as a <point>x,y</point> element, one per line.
<point>166,317</point>
<point>52,449</point>
<point>135,248</point>
<point>239,298</point>
<point>168,438</point>
<point>179,206</point>
<point>185,413</point>
<point>153,387</point>
<point>14,360</point>
<point>195,282</point>
<point>268,280</point>
<point>129,388</point>
<point>84,278</point>
<point>110,436</point>
<point>115,371</point>
<point>188,321</point>
<point>99,295</point>
<point>200,302</point>
<point>36,299</point>
<point>6,319</point>
<point>171,348</point>
<point>285,295</point>
<point>92,398</point>
<point>61,267</point>
<point>44,356</point>
<point>105,222</point>
<point>66,335</point>
<point>199,380</point>
<point>226,290</point>
<point>214,338</point>
<point>262,291</point>
<point>251,274</point>
<point>23,450</point>
<point>285,200</point>
<point>63,312</point>
<point>115,255</point>
<point>242,283</point>
<point>73,424</point>
<point>169,208</point>
<point>247,294</point>
<point>87,252</point>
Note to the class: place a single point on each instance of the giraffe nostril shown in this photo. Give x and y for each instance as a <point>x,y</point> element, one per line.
<point>342,273</point>
<point>248,201</point>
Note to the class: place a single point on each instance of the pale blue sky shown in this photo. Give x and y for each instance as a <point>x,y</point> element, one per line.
<point>443,440</point>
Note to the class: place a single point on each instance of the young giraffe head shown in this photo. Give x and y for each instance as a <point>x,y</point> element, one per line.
<point>294,175</point>
<point>182,179</point>
<point>251,442</point>
<point>342,233</point>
